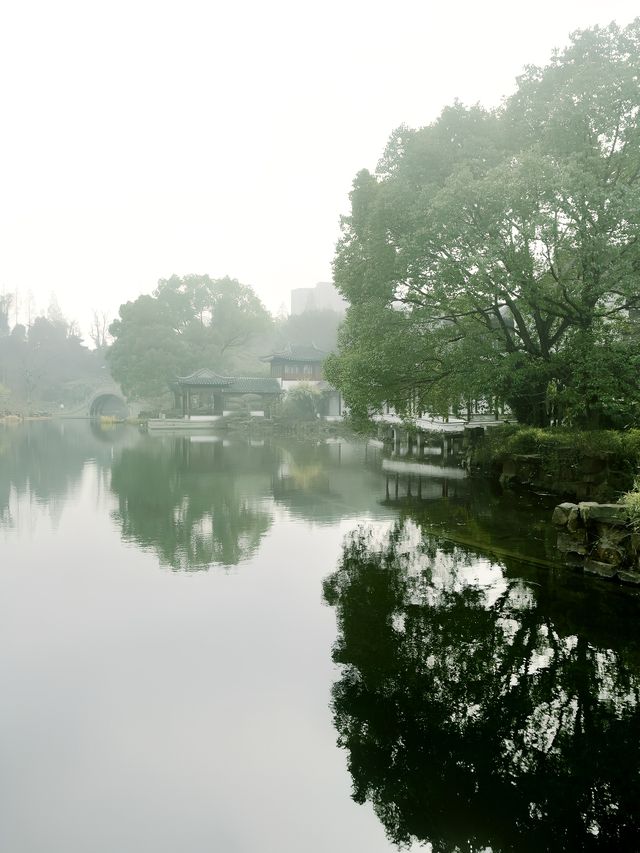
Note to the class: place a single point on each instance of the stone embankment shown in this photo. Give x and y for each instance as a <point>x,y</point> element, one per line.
<point>588,478</point>
<point>599,539</point>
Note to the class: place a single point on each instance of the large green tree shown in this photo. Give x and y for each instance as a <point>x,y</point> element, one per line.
<point>187,323</point>
<point>498,249</point>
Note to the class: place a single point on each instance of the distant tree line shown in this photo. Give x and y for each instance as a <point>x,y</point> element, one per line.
<point>44,365</point>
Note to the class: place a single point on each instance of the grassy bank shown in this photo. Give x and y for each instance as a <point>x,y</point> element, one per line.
<point>599,464</point>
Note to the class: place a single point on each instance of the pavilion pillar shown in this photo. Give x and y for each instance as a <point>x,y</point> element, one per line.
<point>218,404</point>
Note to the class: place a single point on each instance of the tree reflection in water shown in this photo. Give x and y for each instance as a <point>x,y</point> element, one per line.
<point>471,718</point>
<point>42,462</point>
<point>195,505</point>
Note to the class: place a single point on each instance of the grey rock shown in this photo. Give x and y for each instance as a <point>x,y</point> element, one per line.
<point>561,514</point>
<point>584,508</point>
<point>574,522</point>
<point>603,570</point>
<point>630,577</point>
<point>571,543</point>
<point>611,513</point>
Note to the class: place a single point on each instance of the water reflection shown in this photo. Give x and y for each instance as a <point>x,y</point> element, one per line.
<point>42,462</point>
<point>477,711</point>
<point>325,481</point>
<point>195,502</point>
<point>470,510</point>
<point>200,501</point>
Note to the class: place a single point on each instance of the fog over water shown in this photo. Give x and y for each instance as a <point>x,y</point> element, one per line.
<point>146,139</point>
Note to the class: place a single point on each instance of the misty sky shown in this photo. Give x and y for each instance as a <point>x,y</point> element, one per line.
<point>141,139</point>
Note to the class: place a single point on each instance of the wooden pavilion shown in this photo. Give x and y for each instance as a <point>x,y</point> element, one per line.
<point>206,390</point>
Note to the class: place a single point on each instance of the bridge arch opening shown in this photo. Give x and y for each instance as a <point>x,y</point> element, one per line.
<point>108,406</point>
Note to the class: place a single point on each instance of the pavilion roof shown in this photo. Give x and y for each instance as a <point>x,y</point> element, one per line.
<point>204,377</point>
<point>298,352</point>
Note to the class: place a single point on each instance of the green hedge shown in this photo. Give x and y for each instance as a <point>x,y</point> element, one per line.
<point>622,448</point>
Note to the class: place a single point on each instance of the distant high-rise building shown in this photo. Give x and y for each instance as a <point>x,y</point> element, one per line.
<point>322,297</point>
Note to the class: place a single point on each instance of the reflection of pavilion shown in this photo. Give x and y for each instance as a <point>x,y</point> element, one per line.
<point>325,482</point>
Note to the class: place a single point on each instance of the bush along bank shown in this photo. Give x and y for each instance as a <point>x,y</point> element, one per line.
<point>599,465</point>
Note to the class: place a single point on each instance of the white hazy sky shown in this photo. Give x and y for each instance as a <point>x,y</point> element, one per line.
<point>142,139</point>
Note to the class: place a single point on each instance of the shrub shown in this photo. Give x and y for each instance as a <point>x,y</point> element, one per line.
<point>632,502</point>
<point>301,403</point>
<point>562,445</point>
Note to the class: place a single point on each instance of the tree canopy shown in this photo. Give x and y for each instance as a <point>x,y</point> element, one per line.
<point>187,323</point>
<point>318,327</point>
<point>496,253</point>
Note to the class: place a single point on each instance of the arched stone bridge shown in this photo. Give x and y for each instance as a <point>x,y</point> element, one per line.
<point>107,400</point>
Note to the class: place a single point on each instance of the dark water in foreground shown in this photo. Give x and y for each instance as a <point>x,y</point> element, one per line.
<point>233,645</point>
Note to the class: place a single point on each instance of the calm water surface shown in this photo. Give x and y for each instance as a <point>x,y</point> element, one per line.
<point>219,644</point>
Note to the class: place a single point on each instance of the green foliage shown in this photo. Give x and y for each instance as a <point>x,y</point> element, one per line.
<point>186,324</point>
<point>311,327</point>
<point>47,364</point>
<point>632,502</point>
<point>562,445</point>
<point>302,403</point>
<point>499,249</point>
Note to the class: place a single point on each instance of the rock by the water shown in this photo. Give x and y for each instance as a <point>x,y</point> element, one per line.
<point>572,543</point>
<point>562,513</point>
<point>630,577</point>
<point>603,570</point>
<point>611,513</point>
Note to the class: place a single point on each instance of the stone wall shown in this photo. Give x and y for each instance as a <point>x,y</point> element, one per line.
<point>599,539</point>
<point>589,478</point>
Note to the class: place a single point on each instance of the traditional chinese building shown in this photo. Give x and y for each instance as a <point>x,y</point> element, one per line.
<point>297,363</point>
<point>206,392</point>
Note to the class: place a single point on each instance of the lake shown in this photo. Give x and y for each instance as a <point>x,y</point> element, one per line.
<point>264,645</point>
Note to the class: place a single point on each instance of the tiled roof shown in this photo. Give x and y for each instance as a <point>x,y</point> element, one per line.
<point>204,377</point>
<point>230,384</point>
<point>298,352</point>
